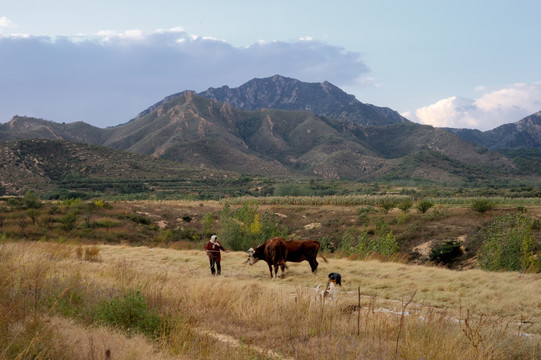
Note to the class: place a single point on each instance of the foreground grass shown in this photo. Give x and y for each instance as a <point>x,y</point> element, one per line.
<point>50,296</point>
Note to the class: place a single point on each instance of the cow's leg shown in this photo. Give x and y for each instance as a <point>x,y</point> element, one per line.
<point>270,270</point>
<point>313,264</point>
<point>282,267</point>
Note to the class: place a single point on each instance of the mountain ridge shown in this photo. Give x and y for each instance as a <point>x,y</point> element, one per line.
<point>523,134</point>
<point>326,99</point>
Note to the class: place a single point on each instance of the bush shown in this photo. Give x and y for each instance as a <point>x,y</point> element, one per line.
<point>482,205</point>
<point>244,228</point>
<point>388,204</point>
<point>424,205</point>
<point>139,218</point>
<point>67,222</point>
<point>31,201</point>
<point>207,225</point>
<point>509,245</point>
<point>446,253</point>
<point>384,244</point>
<point>131,313</point>
<point>405,204</point>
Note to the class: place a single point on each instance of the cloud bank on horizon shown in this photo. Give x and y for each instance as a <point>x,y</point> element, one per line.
<point>489,110</point>
<point>108,78</point>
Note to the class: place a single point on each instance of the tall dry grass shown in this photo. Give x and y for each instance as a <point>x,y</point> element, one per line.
<point>400,312</point>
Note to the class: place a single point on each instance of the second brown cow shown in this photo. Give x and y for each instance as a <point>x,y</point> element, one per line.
<point>277,251</point>
<point>300,250</point>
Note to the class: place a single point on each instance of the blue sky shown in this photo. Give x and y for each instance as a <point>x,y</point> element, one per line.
<point>458,63</point>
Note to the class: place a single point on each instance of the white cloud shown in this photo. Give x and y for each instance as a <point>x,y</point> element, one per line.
<point>484,113</point>
<point>108,35</point>
<point>480,88</point>
<point>6,23</point>
<point>108,78</point>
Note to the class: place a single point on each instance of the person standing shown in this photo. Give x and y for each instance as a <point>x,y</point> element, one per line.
<point>213,249</point>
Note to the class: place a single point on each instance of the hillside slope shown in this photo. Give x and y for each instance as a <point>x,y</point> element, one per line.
<point>42,165</point>
<point>22,127</point>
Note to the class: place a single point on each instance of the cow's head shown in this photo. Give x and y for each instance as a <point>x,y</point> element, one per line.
<point>252,259</point>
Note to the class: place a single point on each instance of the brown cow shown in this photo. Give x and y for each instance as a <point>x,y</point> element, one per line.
<point>273,251</point>
<point>300,250</point>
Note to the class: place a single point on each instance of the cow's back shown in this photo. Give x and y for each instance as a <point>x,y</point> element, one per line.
<point>300,250</point>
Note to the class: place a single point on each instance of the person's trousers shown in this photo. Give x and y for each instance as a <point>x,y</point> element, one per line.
<point>218,266</point>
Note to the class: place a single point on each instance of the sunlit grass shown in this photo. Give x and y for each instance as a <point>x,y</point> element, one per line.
<point>47,283</point>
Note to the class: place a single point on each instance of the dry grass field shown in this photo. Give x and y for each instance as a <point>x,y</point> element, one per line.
<point>52,300</point>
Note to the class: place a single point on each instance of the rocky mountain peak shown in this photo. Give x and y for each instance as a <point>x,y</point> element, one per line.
<point>326,99</point>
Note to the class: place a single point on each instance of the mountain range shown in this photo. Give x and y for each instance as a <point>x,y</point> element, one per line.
<point>281,127</point>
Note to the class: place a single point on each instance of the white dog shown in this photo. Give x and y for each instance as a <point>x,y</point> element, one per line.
<point>328,293</point>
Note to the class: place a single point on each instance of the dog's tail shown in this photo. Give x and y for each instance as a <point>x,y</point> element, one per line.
<point>317,288</point>
<point>323,257</point>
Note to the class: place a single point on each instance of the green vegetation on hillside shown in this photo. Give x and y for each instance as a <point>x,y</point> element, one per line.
<point>390,225</point>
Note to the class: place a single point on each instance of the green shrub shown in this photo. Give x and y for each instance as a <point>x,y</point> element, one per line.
<point>189,234</point>
<point>446,253</point>
<point>424,205</point>
<point>104,223</point>
<point>509,245</point>
<point>382,227</point>
<point>139,218</point>
<point>33,214</point>
<point>245,227</point>
<point>67,222</point>
<point>405,204</point>
<point>327,243</point>
<point>270,227</point>
<point>482,205</point>
<point>388,204</point>
<point>31,201</point>
<point>348,240</point>
<point>384,244</point>
<point>207,224</point>
<point>129,312</point>
<point>364,214</point>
